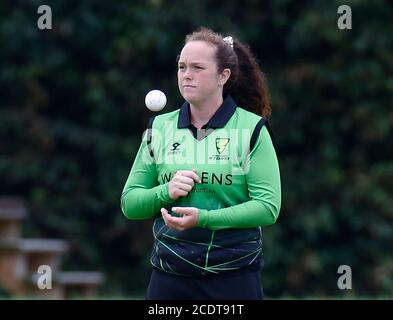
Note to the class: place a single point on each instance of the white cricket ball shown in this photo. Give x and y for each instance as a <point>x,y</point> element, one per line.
<point>155,100</point>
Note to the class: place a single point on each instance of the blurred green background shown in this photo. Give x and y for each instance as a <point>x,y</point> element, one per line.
<point>72,114</point>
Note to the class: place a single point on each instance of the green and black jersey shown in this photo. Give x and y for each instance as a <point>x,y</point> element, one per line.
<point>239,193</point>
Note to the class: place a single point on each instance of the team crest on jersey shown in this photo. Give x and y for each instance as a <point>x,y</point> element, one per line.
<point>221,145</point>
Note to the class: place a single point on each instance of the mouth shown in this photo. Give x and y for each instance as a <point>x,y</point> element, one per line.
<point>188,86</point>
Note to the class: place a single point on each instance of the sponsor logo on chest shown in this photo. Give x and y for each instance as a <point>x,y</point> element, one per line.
<point>174,149</point>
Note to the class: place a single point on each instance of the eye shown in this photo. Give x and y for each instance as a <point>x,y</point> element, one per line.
<point>180,67</point>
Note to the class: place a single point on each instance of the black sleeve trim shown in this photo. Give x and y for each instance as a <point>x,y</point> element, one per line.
<point>149,135</point>
<point>257,130</point>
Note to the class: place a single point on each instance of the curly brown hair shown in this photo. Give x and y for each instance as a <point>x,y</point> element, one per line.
<point>247,83</point>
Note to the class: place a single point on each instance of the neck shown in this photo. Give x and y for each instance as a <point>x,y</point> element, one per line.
<point>201,113</point>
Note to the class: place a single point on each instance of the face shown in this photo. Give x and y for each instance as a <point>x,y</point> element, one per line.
<point>197,74</point>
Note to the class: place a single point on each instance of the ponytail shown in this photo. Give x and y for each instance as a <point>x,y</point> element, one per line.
<point>249,87</point>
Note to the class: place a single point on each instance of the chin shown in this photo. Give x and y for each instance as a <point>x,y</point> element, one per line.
<point>190,98</point>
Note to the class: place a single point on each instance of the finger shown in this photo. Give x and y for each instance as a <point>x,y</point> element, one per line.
<point>181,210</point>
<point>185,187</point>
<point>170,221</point>
<point>165,215</point>
<point>185,180</point>
<point>191,174</point>
<point>177,223</point>
<point>181,193</point>
<point>184,222</point>
<point>196,175</point>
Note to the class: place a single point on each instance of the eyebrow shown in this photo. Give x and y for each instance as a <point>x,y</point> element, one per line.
<point>192,63</point>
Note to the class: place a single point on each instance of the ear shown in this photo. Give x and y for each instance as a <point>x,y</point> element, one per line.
<point>224,76</point>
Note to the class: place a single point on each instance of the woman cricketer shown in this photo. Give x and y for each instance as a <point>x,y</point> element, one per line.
<point>209,175</point>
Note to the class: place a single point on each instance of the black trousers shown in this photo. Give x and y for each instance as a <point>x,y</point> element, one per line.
<point>238,286</point>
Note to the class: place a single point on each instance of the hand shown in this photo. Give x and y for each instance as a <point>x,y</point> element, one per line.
<point>187,221</point>
<point>182,183</point>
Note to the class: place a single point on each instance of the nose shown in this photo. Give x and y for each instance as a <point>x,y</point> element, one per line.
<point>187,74</point>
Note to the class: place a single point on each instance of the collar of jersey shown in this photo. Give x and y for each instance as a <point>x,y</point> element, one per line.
<point>218,120</point>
